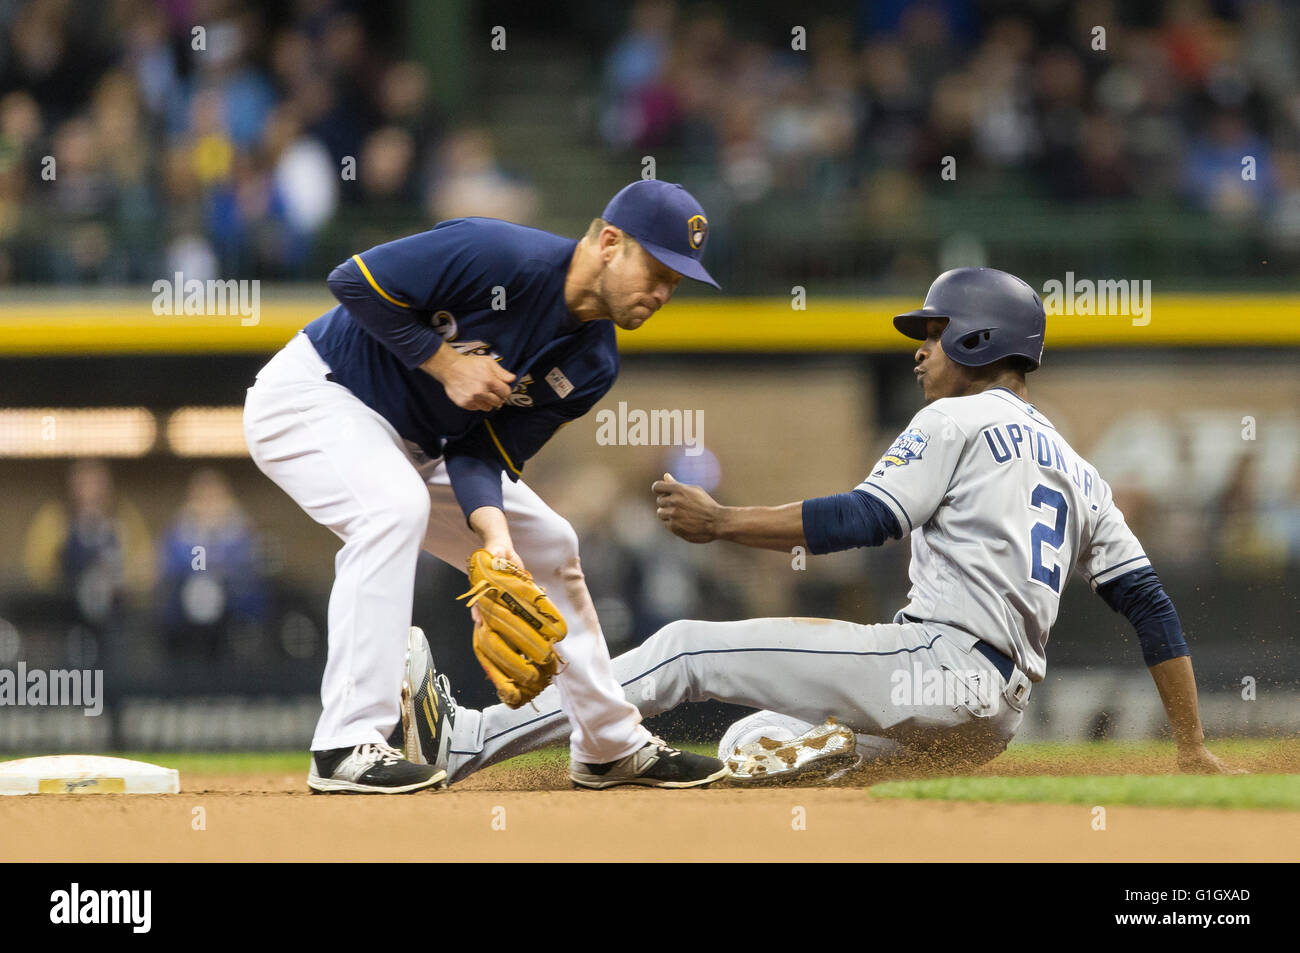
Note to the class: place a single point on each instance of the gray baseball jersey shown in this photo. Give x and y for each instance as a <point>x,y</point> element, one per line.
<point>1000,509</point>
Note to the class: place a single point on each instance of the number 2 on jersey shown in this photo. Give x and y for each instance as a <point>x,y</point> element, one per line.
<point>1042,533</point>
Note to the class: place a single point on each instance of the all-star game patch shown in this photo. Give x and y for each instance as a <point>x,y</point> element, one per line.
<point>908,447</point>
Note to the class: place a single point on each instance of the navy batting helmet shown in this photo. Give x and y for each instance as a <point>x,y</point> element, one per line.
<point>991,315</point>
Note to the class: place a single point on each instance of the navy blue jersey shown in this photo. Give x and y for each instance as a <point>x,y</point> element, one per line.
<point>485,287</point>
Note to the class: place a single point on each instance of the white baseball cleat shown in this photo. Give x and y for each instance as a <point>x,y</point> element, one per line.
<point>822,749</point>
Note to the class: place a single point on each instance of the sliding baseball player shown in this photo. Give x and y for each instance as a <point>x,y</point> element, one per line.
<point>1000,510</point>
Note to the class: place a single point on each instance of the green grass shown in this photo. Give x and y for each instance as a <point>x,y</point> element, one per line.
<point>1084,751</point>
<point>1279,791</point>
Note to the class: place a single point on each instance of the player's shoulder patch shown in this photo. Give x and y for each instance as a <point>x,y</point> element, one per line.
<point>910,445</point>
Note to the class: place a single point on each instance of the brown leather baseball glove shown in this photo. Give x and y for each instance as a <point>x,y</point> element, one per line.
<point>517,628</point>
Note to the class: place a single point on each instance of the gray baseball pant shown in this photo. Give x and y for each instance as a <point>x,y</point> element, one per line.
<point>904,688</point>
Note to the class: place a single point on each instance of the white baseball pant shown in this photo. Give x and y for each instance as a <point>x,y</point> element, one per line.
<point>350,471</point>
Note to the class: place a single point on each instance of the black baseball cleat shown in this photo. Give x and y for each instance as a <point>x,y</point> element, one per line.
<point>656,765</point>
<point>428,710</point>
<point>368,769</point>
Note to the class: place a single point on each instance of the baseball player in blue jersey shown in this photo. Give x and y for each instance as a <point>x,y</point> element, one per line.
<point>1000,510</point>
<point>402,419</point>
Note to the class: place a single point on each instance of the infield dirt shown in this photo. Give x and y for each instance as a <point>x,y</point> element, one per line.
<point>531,814</point>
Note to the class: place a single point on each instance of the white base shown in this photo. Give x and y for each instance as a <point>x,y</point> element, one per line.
<point>86,774</point>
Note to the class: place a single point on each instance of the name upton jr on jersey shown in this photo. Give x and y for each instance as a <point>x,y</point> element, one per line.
<point>1022,442</point>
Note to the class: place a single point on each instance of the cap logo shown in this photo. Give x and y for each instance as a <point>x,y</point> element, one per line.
<point>699,230</point>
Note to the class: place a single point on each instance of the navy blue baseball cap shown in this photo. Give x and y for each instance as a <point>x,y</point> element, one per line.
<point>667,222</point>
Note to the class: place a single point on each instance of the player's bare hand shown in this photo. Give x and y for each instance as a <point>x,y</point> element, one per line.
<point>472,381</point>
<point>505,550</point>
<point>689,512</point>
<point>1198,759</point>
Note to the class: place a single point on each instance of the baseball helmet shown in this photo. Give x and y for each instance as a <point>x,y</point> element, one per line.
<point>991,315</point>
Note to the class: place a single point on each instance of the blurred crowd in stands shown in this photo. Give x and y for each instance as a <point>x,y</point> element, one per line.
<point>217,152</point>
<point>1079,101</point>
<point>1202,497</point>
<point>203,576</point>
<point>234,156</point>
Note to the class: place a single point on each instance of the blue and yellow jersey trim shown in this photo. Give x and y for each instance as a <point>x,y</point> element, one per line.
<point>374,284</point>
<point>500,449</point>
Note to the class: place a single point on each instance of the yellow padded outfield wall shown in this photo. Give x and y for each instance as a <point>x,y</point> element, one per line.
<point>120,325</point>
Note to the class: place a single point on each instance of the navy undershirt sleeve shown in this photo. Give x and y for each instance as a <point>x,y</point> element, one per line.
<point>1140,597</point>
<point>847,521</point>
<point>394,327</point>
<point>475,481</point>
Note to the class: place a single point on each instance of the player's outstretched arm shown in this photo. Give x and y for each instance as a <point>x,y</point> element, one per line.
<point>1177,686</point>
<point>698,518</point>
<point>1142,600</point>
<point>825,525</point>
